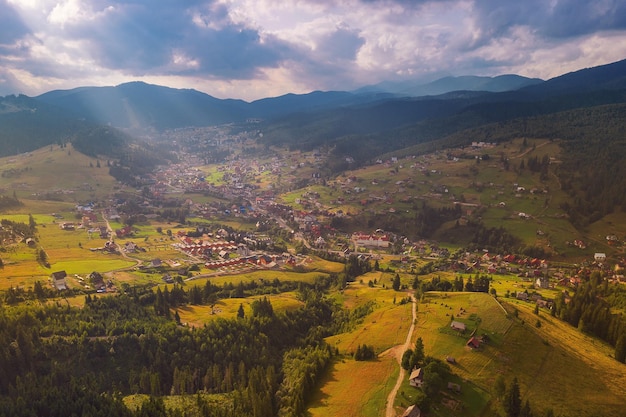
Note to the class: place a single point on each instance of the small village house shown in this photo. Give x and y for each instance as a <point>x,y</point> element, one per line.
<point>458,326</point>
<point>58,280</point>
<point>412,411</point>
<point>416,379</point>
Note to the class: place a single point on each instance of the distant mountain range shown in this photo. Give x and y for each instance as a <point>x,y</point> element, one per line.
<point>447,84</point>
<point>444,106</point>
<point>140,105</point>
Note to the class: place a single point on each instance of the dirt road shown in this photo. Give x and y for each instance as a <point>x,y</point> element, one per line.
<point>399,351</point>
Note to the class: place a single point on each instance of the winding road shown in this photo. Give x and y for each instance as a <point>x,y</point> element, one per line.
<point>399,351</point>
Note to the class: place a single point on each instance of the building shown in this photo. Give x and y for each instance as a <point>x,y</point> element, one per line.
<point>416,379</point>
<point>58,280</point>
<point>458,326</point>
<point>412,411</point>
<point>599,257</point>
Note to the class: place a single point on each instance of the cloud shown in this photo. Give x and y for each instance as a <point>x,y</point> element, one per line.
<point>138,38</point>
<point>12,29</point>
<point>551,19</point>
<point>242,47</point>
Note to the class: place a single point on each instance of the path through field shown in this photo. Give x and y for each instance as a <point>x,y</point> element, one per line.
<point>399,351</point>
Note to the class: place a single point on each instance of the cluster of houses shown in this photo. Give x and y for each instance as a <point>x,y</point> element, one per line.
<point>371,240</point>
<point>96,281</point>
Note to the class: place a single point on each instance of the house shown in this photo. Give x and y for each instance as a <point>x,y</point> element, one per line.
<point>542,282</point>
<point>97,280</point>
<point>124,231</point>
<point>67,226</point>
<point>458,326</point>
<point>416,379</point>
<point>473,343</point>
<point>130,247</point>
<point>58,280</point>
<point>599,257</point>
<point>155,263</point>
<point>451,360</point>
<point>412,411</point>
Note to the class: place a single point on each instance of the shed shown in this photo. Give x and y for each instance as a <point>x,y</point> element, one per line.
<point>457,325</point>
<point>474,343</point>
<point>412,411</point>
<point>416,379</point>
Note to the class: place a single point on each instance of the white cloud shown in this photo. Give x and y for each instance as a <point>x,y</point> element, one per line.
<point>255,48</point>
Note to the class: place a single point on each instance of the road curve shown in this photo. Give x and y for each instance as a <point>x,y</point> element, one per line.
<point>407,345</point>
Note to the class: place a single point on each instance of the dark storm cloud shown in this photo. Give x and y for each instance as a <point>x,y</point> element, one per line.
<point>136,37</point>
<point>341,44</point>
<point>12,29</point>
<point>563,19</point>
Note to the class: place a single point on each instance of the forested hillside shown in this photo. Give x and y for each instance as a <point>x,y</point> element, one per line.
<point>591,170</point>
<point>72,361</point>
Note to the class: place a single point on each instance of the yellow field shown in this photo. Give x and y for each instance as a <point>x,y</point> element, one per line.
<point>267,275</point>
<point>355,389</point>
<point>557,366</point>
<point>227,308</point>
<point>557,362</point>
<point>39,173</point>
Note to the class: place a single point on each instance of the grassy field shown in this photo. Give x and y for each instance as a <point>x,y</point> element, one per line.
<point>353,388</point>
<point>181,403</point>
<point>553,362</point>
<point>227,308</point>
<point>556,361</point>
<point>38,173</point>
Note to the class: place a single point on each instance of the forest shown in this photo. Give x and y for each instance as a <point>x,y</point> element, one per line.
<point>59,360</point>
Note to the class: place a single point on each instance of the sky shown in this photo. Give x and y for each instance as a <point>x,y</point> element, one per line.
<point>251,49</point>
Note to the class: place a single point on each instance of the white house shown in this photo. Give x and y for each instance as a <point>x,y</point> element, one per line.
<point>599,257</point>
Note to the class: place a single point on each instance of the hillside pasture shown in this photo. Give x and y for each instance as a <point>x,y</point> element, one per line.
<point>227,308</point>
<point>355,389</point>
<point>262,275</point>
<point>54,172</point>
<point>588,376</point>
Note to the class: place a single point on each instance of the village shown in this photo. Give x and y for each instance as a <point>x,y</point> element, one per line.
<point>287,192</point>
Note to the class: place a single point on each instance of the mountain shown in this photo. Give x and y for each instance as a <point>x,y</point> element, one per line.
<point>141,105</point>
<point>314,118</point>
<point>607,77</point>
<point>27,124</point>
<point>384,126</point>
<point>444,85</point>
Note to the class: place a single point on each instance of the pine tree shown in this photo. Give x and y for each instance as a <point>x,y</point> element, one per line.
<point>396,283</point>
<point>240,313</point>
<point>512,400</point>
<point>418,354</point>
<point>526,411</point>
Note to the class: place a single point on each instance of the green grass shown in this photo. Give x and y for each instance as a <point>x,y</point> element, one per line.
<point>181,403</point>
<point>227,308</point>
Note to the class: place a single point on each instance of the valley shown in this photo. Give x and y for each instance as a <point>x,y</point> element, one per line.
<point>270,264</point>
<point>270,219</point>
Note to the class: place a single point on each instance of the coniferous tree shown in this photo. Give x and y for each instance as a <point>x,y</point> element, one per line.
<point>396,283</point>
<point>526,411</point>
<point>512,400</point>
